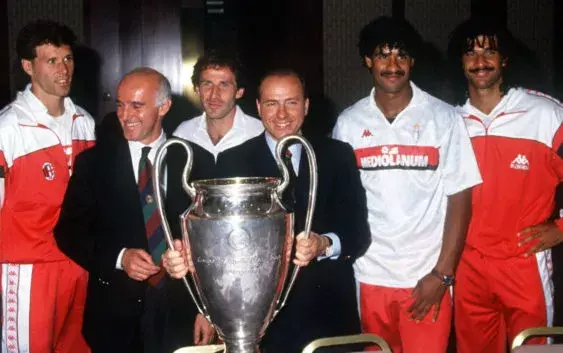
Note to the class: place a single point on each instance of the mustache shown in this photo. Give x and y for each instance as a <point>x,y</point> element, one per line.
<point>393,73</point>
<point>477,70</point>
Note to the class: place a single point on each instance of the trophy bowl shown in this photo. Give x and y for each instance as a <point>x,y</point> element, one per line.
<point>240,238</point>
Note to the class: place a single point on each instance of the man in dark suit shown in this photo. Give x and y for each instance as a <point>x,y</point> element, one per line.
<point>104,227</point>
<point>323,300</point>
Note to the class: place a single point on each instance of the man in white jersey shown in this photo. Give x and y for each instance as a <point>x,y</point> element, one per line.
<point>41,132</point>
<point>505,270</point>
<point>218,81</point>
<point>418,167</point>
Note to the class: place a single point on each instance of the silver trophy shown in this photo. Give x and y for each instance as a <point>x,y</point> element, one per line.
<point>240,238</point>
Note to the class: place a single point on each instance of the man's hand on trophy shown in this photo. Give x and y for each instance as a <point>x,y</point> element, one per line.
<point>204,332</point>
<point>307,249</point>
<point>138,264</point>
<point>177,262</point>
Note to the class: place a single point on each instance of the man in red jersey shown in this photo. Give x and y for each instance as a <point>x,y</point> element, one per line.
<point>504,276</point>
<point>41,132</point>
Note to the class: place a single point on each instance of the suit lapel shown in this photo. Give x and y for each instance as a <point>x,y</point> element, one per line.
<point>266,164</point>
<point>125,180</point>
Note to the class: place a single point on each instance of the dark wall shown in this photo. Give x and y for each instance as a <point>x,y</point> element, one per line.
<point>271,34</point>
<point>131,33</point>
<point>20,12</point>
<point>531,21</point>
<point>4,59</point>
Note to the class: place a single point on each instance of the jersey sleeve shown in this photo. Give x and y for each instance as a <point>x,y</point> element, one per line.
<point>2,177</point>
<point>557,144</point>
<point>3,173</point>
<point>460,169</point>
<point>337,131</point>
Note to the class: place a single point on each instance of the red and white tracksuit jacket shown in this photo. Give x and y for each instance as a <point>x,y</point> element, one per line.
<point>500,291</point>
<point>43,291</point>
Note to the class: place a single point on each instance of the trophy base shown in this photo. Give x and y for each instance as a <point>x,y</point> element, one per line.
<point>241,347</point>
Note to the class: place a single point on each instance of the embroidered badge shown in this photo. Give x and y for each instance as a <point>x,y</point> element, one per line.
<point>416,128</point>
<point>48,171</point>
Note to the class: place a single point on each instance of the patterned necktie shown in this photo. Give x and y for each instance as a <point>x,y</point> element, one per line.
<point>155,234</point>
<point>289,192</point>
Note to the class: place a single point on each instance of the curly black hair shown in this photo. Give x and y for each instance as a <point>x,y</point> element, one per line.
<point>41,32</point>
<point>216,58</point>
<point>478,31</point>
<point>391,32</point>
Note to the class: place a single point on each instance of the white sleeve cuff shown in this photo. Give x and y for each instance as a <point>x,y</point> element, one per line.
<point>119,258</point>
<point>334,250</point>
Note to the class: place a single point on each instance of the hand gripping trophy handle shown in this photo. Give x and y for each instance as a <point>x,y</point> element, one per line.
<point>313,179</point>
<point>190,190</point>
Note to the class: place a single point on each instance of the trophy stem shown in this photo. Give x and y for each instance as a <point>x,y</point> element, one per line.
<point>241,347</point>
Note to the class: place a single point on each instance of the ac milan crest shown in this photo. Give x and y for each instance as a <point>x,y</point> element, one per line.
<point>48,171</point>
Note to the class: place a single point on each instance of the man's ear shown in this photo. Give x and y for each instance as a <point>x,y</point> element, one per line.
<point>306,106</point>
<point>27,66</point>
<point>368,62</point>
<point>164,108</point>
<point>240,93</point>
<point>258,106</point>
<point>504,62</point>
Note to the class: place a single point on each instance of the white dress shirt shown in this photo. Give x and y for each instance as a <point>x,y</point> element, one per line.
<point>136,150</point>
<point>244,128</point>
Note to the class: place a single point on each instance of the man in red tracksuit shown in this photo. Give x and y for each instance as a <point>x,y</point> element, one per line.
<point>504,276</point>
<point>41,132</point>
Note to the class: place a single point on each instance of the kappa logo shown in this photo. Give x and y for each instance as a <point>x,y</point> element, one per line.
<point>520,163</point>
<point>48,171</point>
<point>367,133</point>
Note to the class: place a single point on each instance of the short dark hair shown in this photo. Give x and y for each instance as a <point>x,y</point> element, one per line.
<point>387,31</point>
<point>283,72</point>
<point>219,59</point>
<point>41,32</point>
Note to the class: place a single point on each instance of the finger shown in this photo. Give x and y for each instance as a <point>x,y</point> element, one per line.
<point>172,254</point>
<point>414,306</point>
<point>304,243</point>
<point>140,274</point>
<point>528,230</point>
<point>300,263</point>
<point>436,312</point>
<point>172,262</point>
<point>421,313</point>
<point>207,335</point>
<point>178,272</point>
<point>304,256</point>
<point>142,255</point>
<point>537,248</point>
<point>141,265</point>
<point>529,238</point>
<point>301,236</point>
<point>178,245</point>
<point>303,251</point>
<point>197,334</point>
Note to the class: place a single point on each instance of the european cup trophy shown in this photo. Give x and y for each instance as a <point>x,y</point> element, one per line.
<point>240,237</point>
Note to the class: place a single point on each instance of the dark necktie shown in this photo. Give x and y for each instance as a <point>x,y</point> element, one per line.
<point>155,234</point>
<point>289,192</point>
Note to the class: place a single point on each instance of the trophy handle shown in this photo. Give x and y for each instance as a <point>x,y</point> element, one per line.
<point>190,190</point>
<point>313,180</point>
<point>194,292</point>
